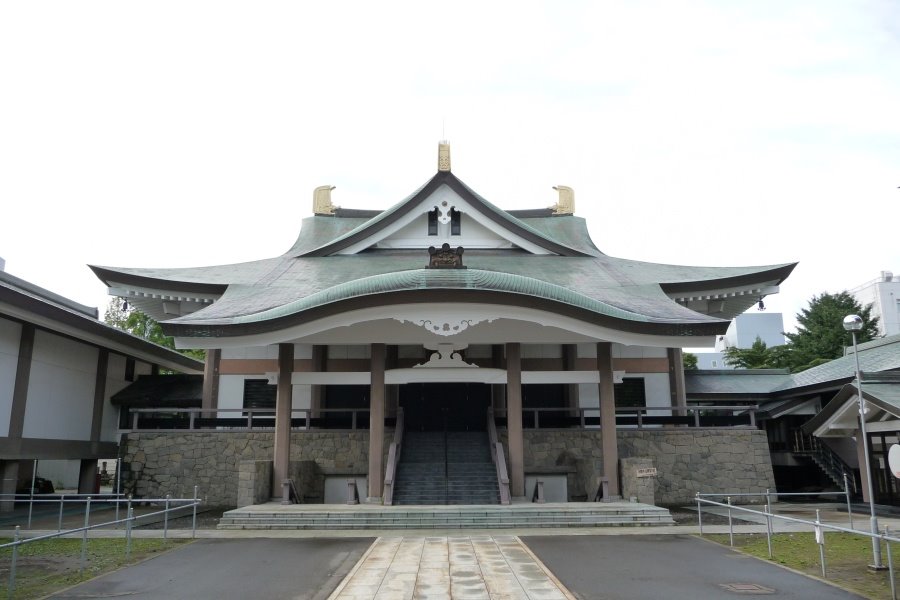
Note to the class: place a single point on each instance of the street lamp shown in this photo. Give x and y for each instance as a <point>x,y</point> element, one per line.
<point>854,323</point>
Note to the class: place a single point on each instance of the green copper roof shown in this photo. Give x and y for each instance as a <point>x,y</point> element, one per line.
<point>473,279</point>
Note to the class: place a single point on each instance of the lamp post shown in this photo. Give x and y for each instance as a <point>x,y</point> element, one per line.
<point>854,323</point>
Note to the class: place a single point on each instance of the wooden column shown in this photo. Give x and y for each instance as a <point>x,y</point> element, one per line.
<point>376,424</point>
<point>87,476</point>
<point>9,471</point>
<point>608,417</point>
<point>99,398</point>
<point>498,390</point>
<point>20,387</point>
<point>514,419</point>
<point>317,392</point>
<point>676,380</point>
<point>569,355</point>
<point>283,400</point>
<point>210,397</point>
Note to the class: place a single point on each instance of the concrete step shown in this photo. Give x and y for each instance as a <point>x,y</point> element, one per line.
<point>447,517</point>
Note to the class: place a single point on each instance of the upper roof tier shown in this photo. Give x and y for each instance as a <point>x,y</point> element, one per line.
<point>346,259</point>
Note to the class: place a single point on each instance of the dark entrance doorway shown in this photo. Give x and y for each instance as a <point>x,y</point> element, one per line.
<point>463,406</point>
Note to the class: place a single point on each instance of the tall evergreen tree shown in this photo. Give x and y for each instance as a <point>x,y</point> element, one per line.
<point>135,322</point>
<point>820,334</point>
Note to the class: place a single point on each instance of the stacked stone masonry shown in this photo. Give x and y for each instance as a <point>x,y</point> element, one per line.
<point>156,464</point>
<point>688,460</point>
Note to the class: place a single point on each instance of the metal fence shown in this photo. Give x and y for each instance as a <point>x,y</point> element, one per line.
<point>818,527</point>
<point>169,505</point>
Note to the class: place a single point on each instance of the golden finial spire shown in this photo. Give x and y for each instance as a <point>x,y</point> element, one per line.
<point>443,155</point>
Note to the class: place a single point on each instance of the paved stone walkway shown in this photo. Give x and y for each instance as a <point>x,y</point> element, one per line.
<point>458,567</point>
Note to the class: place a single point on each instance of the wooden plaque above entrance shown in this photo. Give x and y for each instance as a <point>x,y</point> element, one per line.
<point>445,258</point>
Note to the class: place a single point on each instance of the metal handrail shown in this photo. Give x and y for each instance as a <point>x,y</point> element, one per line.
<point>643,413</point>
<point>818,526</point>
<point>498,458</point>
<point>393,459</point>
<point>248,415</point>
<point>129,521</point>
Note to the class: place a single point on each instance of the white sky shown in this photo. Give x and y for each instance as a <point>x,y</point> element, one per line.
<point>168,134</point>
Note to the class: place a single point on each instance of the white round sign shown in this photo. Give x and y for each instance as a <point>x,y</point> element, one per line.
<point>894,460</point>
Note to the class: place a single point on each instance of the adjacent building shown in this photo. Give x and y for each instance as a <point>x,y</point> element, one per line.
<point>59,366</point>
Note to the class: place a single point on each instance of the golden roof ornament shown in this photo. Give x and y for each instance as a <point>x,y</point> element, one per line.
<point>443,155</point>
<point>322,200</point>
<point>566,203</point>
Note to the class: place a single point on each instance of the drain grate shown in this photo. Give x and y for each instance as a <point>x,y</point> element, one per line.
<point>746,588</point>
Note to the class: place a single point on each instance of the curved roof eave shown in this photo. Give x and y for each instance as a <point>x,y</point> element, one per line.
<point>469,285</point>
<point>777,273</point>
<point>386,218</point>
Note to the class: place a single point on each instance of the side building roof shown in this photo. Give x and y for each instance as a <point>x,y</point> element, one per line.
<point>23,301</point>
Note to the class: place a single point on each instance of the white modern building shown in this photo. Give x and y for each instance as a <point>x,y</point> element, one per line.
<point>742,333</point>
<point>884,296</point>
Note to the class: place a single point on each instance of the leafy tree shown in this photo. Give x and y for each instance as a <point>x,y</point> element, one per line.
<point>757,356</point>
<point>689,361</point>
<point>820,335</point>
<point>135,322</point>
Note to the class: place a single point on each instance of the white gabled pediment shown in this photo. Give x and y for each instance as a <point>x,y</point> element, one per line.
<point>476,230</point>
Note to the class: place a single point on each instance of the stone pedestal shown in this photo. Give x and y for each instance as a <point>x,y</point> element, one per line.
<point>638,479</point>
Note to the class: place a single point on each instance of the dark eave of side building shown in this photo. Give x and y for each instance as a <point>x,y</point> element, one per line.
<point>33,300</point>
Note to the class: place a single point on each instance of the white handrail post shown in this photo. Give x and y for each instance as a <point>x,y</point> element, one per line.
<point>12,568</point>
<point>194,520</point>
<point>166,518</point>
<point>87,519</point>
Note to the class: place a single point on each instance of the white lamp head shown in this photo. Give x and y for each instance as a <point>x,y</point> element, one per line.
<point>853,323</point>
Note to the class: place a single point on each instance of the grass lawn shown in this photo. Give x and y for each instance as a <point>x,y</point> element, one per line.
<point>50,565</point>
<point>847,558</point>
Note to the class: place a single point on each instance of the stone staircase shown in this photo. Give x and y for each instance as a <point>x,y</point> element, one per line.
<point>469,477</point>
<point>518,516</point>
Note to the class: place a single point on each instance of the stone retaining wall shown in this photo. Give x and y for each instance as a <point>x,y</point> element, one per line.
<point>156,464</point>
<point>688,460</point>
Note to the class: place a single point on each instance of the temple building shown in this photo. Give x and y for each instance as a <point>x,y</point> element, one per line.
<point>455,321</point>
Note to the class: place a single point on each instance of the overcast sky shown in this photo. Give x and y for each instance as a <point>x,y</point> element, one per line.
<point>168,134</point>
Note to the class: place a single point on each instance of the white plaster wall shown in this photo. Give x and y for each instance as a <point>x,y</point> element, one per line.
<point>656,390</point>
<point>623,351</point>
<point>541,351</point>
<point>300,397</point>
<point>142,368</point>
<point>10,335</point>
<point>355,351</point>
<point>231,391</point>
<point>61,389</point>
<point>251,352</point>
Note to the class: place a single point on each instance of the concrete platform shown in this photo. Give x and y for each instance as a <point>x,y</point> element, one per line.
<point>274,515</point>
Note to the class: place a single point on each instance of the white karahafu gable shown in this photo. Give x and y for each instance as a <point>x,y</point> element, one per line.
<point>476,230</point>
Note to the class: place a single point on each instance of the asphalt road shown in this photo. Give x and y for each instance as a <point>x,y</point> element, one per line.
<point>307,569</point>
<point>673,567</point>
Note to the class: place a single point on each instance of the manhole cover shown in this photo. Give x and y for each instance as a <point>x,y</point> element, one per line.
<point>746,588</point>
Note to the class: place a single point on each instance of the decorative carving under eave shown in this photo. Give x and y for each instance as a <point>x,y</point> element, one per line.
<point>566,203</point>
<point>445,258</point>
<point>446,356</point>
<point>444,326</point>
<point>322,200</point>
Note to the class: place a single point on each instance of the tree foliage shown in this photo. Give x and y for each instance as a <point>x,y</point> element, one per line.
<point>689,361</point>
<point>757,356</point>
<point>820,334</point>
<point>135,322</point>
